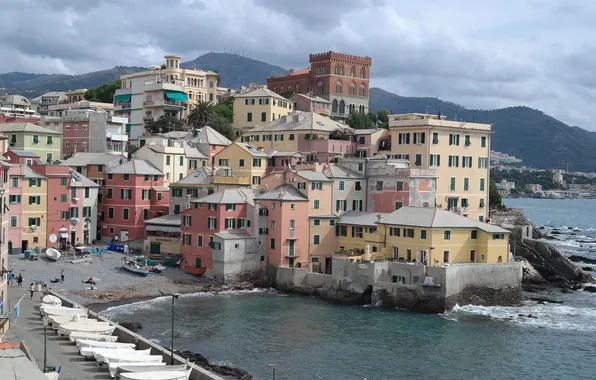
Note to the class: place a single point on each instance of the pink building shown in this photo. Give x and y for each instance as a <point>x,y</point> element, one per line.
<point>133,192</point>
<point>279,161</point>
<point>286,226</point>
<point>21,157</point>
<point>311,103</point>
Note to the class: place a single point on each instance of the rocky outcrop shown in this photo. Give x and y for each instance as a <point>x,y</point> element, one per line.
<point>485,296</point>
<point>581,259</point>
<point>132,326</point>
<point>222,370</point>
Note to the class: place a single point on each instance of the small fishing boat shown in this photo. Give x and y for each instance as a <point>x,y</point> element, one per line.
<point>144,367</point>
<point>96,352</point>
<point>157,375</point>
<point>114,367</point>
<point>57,320</point>
<point>53,375</point>
<point>102,353</point>
<point>62,311</point>
<point>93,343</point>
<point>97,328</point>
<point>51,300</point>
<point>134,267</point>
<point>79,335</point>
<point>53,254</point>
<point>132,358</point>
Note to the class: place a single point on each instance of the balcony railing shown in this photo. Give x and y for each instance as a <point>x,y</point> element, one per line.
<point>287,252</point>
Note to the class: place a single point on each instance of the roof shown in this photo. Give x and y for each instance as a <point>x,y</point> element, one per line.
<point>30,173</point>
<point>367,131</point>
<point>313,98</point>
<point>302,121</point>
<point>201,177</point>
<point>229,196</point>
<point>205,135</point>
<point>78,177</point>
<point>334,171</point>
<point>192,152</point>
<point>26,127</point>
<point>261,93</point>
<point>84,159</point>
<point>283,193</point>
<point>313,176</point>
<point>276,153</point>
<point>166,220</point>
<point>54,93</point>
<point>15,365</point>
<point>253,150</point>
<point>360,218</point>
<point>437,218</point>
<point>135,166</point>
<point>14,99</point>
<point>24,153</point>
<point>328,216</point>
<point>306,70</point>
<point>231,235</point>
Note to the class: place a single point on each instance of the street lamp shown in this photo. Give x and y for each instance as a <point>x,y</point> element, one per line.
<point>45,342</point>
<point>272,365</point>
<point>174,297</point>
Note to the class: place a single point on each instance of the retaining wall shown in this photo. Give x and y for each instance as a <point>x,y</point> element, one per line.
<point>127,336</point>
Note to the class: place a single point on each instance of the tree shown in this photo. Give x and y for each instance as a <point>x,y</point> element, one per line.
<point>383,117</point>
<point>201,115</point>
<point>359,120</point>
<point>287,94</point>
<point>164,124</point>
<point>131,149</point>
<point>222,126</point>
<point>225,111</point>
<point>103,93</point>
<point>340,134</point>
<point>494,198</point>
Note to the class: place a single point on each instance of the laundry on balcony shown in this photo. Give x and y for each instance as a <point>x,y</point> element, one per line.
<point>75,221</point>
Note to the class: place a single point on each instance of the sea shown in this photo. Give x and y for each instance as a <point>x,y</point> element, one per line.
<point>304,339</point>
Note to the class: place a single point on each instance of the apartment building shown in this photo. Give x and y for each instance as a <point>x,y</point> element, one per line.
<point>168,156</point>
<point>4,247</point>
<point>457,151</point>
<point>94,165</point>
<point>195,185</point>
<point>49,99</point>
<point>16,106</point>
<point>258,107</point>
<point>166,89</point>
<point>64,108</point>
<point>207,141</point>
<point>44,142</point>
<point>311,103</point>
<point>245,163</point>
<point>133,192</point>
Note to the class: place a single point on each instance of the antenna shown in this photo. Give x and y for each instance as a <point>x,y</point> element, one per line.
<point>426,109</point>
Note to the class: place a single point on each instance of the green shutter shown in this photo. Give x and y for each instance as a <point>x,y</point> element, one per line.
<point>466,184</point>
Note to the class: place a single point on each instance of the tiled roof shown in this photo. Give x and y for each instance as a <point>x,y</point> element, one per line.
<point>359,218</point>
<point>313,176</point>
<point>302,121</point>
<point>166,220</point>
<point>200,177</point>
<point>232,235</point>
<point>30,173</point>
<point>253,150</point>
<point>261,93</point>
<point>334,171</point>
<point>436,218</point>
<point>229,196</point>
<point>283,193</point>
<point>26,127</point>
<point>134,166</point>
<point>192,152</point>
<point>208,135</point>
<point>367,131</point>
<point>24,153</point>
<point>78,177</point>
<point>313,98</point>
<point>85,158</point>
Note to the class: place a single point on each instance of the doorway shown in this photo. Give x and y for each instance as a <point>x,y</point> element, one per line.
<point>10,247</point>
<point>198,262</point>
<point>123,235</point>
<point>473,255</point>
<point>328,262</point>
<point>291,262</point>
<point>24,245</point>
<point>73,238</point>
<point>155,249</point>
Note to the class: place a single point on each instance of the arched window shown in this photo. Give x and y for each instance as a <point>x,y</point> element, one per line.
<point>297,88</point>
<point>362,90</point>
<point>338,88</point>
<point>353,73</point>
<point>363,74</point>
<point>353,89</point>
<point>334,106</point>
<point>342,107</point>
<point>320,87</point>
<point>361,109</point>
<point>341,70</point>
<point>309,87</point>
<point>351,108</point>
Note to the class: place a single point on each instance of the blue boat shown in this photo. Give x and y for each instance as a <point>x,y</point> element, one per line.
<point>134,267</point>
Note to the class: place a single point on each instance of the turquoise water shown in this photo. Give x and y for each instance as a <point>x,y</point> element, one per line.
<point>311,339</point>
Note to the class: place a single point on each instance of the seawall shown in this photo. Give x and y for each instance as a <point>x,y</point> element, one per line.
<point>127,336</point>
<point>418,288</point>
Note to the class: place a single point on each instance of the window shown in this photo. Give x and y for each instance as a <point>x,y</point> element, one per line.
<point>409,233</point>
<point>301,185</point>
<point>398,205</point>
<point>256,180</point>
<point>212,206</point>
<point>394,231</point>
<point>316,222</point>
<point>272,243</point>
<point>435,137</point>
<point>211,223</point>
<point>445,256</point>
<point>67,144</point>
<point>453,139</point>
<point>187,220</point>
<point>465,203</point>
<point>15,182</point>
<point>100,168</point>
<point>230,223</point>
<point>199,240</point>
<point>168,159</point>
<point>341,185</point>
<point>14,199</point>
<point>49,157</point>
<point>86,192</point>
<point>316,239</point>
<point>177,208</point>
<point>357,186</point>
<point>317,186</point>
<point>292,224</point>
<point>273,224</point>
<point>291,137</point>
<point>435,160</point>
<point>452,185</point>
<point>482,184</point>
<point>418,161</point>
<point>379,186</point>
<point>453,161</point>
<point>352,89</point>
<point>249,117</point>
<point>292,206</point>
<point>110,213</point>
<point>423,234</point>
<point>110,176</point>
<point>419,138</point>
<point>126,177</point>
<point>482,203</point>
<point>466,162</point>
<point>126,194</point>
<point>256,162</point>
<point>109,193</point>
<point>316,204</point>
<point>357,205</point>
<point>338,88</point>
<point>73,192</point>
<point>467,141</point>
<point>498,236</point>
<point>35,139</point>
<point>124,214</point>
<point>332,222</point>
<point>403,138</point>
<point>482,162</point>
<point>398,279</point>
<point>187,239</point>
<point>263,116</point>
<point>64,199</point>
<point>474,234</point>
<point>13,221</point>
<point>466,184</point>
<point>357,232</point>
<point>145,213</point>
<point>241,162</point>
<point>340,205</point>
<point>481,218</point>
<point>483,141</point>
<point>34,200</point>
<point>447,235</point>
<point>63,181</point>
<point>181,161</point>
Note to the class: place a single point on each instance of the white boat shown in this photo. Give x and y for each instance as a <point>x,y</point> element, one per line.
<point>144,367</point>
<point>51,300</point>
<point>53,375</point>
<point>96,328</point>
<point>132,358</point>
<point>53,254</point>
<point>93,343</point>
<point>102,353</point>
<point>113,367</point>
<point>63,311</point>
<point>97,352</point>
<point>157,375</point>
<point>74,336</point>
<point>57,320</point>
<point>134,267</point>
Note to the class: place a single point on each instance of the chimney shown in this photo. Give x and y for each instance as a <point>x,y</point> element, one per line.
<point>379,218</point>
<point>260,149</point>
<point>284,119</point>
<point>291,71</point>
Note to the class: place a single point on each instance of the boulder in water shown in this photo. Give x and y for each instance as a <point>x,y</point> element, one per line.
<point>581,259</point>
<point>591,289</point>
<point>587,269</point>
<point>132,326</point>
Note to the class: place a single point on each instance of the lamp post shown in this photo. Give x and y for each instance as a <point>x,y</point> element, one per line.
<point>273,366</point>
<point>174,297</point>
<point>45,340</point>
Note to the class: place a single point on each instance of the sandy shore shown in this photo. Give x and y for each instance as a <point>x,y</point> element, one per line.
<point>114,283</point>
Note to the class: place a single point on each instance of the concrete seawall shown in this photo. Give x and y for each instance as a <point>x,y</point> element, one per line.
<point>413,287</point>
<point>127,336</point>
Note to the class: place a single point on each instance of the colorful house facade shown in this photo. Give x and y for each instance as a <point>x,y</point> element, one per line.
<point>44,142</point>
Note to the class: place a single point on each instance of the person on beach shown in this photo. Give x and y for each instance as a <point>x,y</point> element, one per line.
<point>20,281</point>
<point>62,275</point>
<point>31,289</point>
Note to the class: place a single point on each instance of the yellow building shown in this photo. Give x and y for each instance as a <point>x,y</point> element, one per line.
<point>241,161</point>
<point>458,151</point>
<point>162,236</point>
<point>44,142</point>
<point>258,107</point>
<point>35,209</point>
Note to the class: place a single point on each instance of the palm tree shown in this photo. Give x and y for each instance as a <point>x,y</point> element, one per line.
<point>201,115</point>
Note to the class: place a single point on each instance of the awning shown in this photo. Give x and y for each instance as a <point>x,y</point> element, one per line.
<point>122,98</point>
<point>177,96</point>
<point>162,228</point>
<point>160,188</point>
<point>63,235</point>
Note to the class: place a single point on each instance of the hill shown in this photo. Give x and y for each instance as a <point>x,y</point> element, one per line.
<point>235,70</point>
<point>32,85</point>
<point>537,138</point>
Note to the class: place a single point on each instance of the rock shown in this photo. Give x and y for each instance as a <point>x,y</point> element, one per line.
<point>591,289</point>
<point>581,259</point>
<point>531,275</point>
<point>132,326</point>
<point>587,269</point>
<point>532,316</point>
<point>222,370</point>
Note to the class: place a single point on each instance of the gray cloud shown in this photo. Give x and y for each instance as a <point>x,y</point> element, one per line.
<point>538,53</point>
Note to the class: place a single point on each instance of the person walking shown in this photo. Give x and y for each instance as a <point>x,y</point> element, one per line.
<point>10,275</point>
<point>31,289</point>
<point>62,275</point>
<point>20,281</point>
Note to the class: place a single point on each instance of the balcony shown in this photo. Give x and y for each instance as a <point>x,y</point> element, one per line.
<point>385,144</point>
<point>165,103</point>
<point>287,252</point>
<point>122,106</point>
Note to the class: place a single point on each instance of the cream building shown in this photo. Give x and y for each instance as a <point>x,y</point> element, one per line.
<point>166,89</point>
<point>257,107</point>
<point>168,155</point>
<point>458,151</point>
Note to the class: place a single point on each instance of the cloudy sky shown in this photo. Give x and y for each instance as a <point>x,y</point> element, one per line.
<point>539,53</point>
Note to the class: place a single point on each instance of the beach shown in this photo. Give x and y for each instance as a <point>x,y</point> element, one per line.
<point>114,284</point>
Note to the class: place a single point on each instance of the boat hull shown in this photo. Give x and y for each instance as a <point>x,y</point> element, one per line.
<point>140,271</point>
<point>53,254</point>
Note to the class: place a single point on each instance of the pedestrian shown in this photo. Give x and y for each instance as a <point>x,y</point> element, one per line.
<point>62,275</point>
<point>20,281</point>
<point>31,289</point>
<point>10,277</point>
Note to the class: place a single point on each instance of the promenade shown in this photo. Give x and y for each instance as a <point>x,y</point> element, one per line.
<point>60,350</point>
